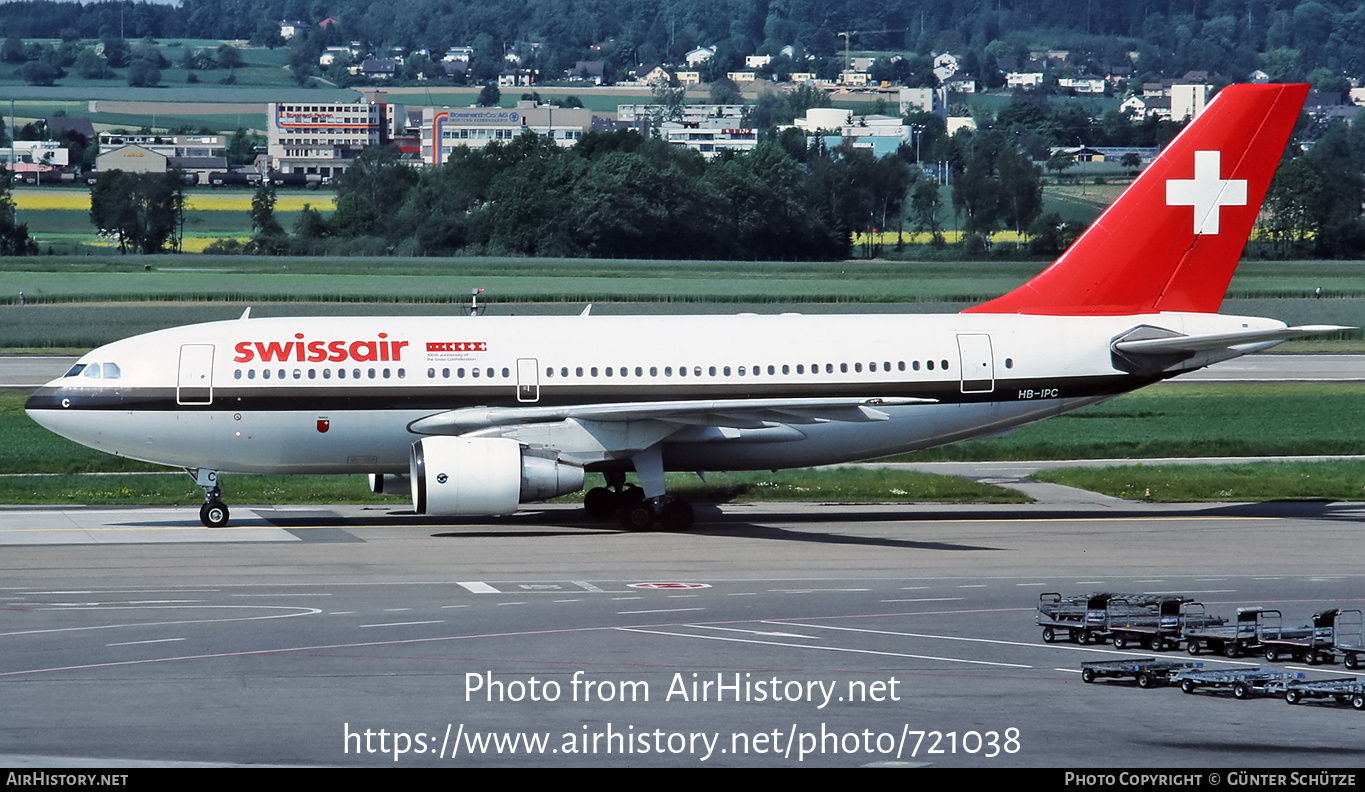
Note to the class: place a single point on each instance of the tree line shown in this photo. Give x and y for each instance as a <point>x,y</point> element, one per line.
<point>611,195</point>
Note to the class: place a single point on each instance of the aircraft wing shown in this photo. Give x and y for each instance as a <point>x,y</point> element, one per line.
<point>1176,344</point>
<point>730,413</point>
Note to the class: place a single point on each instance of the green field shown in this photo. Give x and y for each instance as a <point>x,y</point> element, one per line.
<point>818,486</point>
<point>1187,420</point>
<point>1165,420</point>
<point>1343,480</point>
<point>84,301</point>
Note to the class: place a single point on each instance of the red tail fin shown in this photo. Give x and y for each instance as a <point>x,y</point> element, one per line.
<point>1172,239</point>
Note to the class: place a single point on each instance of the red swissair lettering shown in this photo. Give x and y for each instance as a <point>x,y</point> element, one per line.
<point>301,350</point>
<point>457,346</point>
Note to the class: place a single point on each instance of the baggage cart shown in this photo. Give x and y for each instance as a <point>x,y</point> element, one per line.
<point>1350,638</point>
<point>1080,618</point>
<point>1240,637</point>
<point>1348,689</point>
<point>1244,683</point>
<point>1148,672</point>
<point>1311,644</point>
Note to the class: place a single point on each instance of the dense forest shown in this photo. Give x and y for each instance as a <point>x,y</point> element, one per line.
<point>1290,39</point>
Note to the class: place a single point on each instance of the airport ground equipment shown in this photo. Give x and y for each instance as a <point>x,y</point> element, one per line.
<point>1244,683</point>
<point>1079,618</point>
<point>1241,637</point>
<point>1156,623</point>
<point>1350,637</point>
<point>1345,689</point>
<point>1149,672</point>
<point>1311,644</point>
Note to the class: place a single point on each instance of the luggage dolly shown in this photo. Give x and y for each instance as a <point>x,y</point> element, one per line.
<point>1311,644</point>
<point>1081,619</point>
<point>1244,683</point>
<point>1350,637</point>
<point>1345,689</point>
<point>1148,671</point>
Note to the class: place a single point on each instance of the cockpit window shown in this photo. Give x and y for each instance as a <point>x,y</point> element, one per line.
<point>95,371</point>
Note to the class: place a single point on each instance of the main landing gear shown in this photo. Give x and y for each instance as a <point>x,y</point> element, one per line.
<point>214,513</point>
<point>633,506</point>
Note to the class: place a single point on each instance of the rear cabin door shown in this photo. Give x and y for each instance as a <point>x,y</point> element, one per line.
<point>978,365</point>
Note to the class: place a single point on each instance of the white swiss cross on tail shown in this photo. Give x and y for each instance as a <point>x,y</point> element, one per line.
<point>1206,192</point>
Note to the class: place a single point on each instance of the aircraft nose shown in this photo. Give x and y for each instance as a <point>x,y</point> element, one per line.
<point>45,407</point>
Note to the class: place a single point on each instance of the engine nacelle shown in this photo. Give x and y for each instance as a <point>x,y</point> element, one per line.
<point>484,476</point>
<point>389,483</point>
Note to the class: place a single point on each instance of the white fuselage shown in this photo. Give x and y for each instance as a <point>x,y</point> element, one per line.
<point>339,395</point>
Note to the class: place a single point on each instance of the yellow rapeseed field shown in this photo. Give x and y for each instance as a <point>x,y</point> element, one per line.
<point>79,200</point>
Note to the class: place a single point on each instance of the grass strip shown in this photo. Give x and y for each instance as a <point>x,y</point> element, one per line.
<point>832,486</point>
<point>1186,420</point>
<point>1166,420</point>
<point>1340,480</point>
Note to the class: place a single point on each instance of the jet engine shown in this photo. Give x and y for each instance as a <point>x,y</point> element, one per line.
<point>484,476</point>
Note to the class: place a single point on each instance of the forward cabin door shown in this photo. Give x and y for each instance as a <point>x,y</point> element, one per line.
<point>195,382</point>
<point>977,363</point>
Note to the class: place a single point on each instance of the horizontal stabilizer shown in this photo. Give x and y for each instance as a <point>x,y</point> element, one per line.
<point>740,413</point>
<point>1184,343</point>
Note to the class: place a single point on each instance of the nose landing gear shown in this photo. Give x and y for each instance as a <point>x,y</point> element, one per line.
<point>214,513</point>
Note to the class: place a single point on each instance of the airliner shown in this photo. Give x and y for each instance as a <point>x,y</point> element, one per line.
<point>477,416</point>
